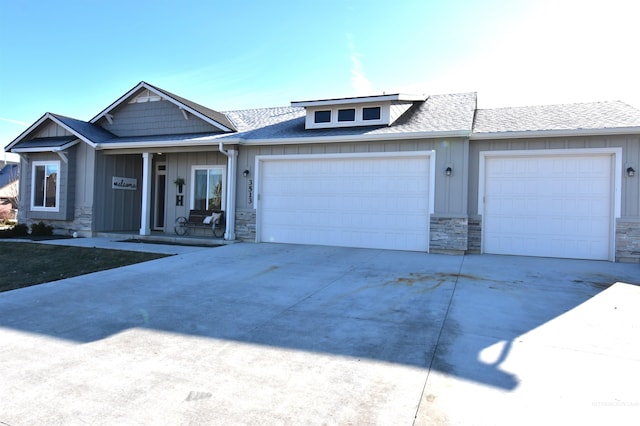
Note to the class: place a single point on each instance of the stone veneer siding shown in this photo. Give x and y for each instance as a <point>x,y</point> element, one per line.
<point>246,225</point>
<point>448,234</point>
<point>474,243</point>
<point>628,241</point>
<point>81,223</point>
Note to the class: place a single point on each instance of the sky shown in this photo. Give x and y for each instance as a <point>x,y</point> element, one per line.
<point>75,57</point>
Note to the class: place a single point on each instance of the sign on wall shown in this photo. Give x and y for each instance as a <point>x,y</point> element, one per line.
<point>124,183</point>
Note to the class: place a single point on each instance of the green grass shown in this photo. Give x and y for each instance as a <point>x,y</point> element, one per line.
<point>26,264</point>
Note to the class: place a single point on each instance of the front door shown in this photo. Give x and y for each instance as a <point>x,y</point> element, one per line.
<point>160,196</point>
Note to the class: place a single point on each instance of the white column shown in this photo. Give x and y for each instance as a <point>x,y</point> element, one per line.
<point>230,210</point>
<point>145,227</point>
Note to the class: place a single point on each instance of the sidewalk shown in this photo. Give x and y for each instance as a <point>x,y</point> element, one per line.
<point>113,244</point>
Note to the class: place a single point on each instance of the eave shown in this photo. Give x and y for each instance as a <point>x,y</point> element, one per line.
<point>358,138</point>
<point>556,133</point>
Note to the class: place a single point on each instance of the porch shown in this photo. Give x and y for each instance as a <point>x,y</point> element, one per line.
<point>159,237</point>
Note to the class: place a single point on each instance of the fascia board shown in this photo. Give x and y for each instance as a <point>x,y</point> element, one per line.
<point>555,133</point>
<point>163,95</point>
<point>47,149</point>
<point>163,144</point>
<point>119,101</point>
<point>360,100</point>
<point>26,132</point>
<point>358,138</point>
<point>77,134</point>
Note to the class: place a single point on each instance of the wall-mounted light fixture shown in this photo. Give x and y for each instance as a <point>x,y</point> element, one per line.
<point>245,173</point>
<point>448,171</point>
<point>631,172</point>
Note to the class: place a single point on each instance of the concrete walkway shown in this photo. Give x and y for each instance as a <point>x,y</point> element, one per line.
<point>284,334</point>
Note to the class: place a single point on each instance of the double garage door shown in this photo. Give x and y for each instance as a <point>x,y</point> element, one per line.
<point>372,201</point>
<point>548,205</point>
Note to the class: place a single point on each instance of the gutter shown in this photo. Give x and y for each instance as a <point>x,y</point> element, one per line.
<point>555,133</point>
<point>359,138</point>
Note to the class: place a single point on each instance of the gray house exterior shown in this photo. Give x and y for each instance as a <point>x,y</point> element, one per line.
<point>421,173</point>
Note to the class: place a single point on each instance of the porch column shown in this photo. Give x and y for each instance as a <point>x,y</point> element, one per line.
<point>145,227</point>
<point>232,166</point>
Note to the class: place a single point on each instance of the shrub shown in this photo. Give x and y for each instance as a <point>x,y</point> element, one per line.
<point>41,229</point>
<point>19,230</point>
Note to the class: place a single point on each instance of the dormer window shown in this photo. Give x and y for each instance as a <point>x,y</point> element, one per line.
<point>322,116</point>
<point>380,110</point>
<point>370,113</point>
<point>347,114</point>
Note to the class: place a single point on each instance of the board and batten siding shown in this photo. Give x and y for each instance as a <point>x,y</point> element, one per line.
<point>450,192</point>
<point>52,130</point>
<point>180,165</point>
<point>117,210</point>
<point>154,118</point>
<point>630,188</point>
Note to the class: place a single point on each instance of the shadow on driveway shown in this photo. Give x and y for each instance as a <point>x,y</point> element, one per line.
<point>427,311</point>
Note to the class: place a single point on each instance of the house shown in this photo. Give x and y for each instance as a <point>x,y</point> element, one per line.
<point>9,175</point>
<point>394,171</point>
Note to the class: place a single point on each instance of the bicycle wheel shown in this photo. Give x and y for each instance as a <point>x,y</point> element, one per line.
<point>181,225</point>
<point>218,230</point>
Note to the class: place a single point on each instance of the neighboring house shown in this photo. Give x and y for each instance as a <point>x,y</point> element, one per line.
<point>421,173</point>
<point>9,181</point>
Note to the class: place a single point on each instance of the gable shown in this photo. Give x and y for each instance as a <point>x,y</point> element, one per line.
<point>146,115</point>
<point>50,129</point>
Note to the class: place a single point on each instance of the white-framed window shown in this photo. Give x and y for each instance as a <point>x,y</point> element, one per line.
<point>371,113</point>
<point>208,187</point>
<point>347,116</point>
<point>45,186</point>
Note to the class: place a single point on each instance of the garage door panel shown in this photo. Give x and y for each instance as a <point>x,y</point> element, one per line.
<point>377,202</point>
<point>559,206</point>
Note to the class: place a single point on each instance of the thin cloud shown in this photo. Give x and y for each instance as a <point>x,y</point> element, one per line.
<point>9,120</point>
<point>360,83</point>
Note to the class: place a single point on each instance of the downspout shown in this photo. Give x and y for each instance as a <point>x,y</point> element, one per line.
<point>230,208</point>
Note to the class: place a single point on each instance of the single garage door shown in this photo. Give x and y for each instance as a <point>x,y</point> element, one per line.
<point>549,205</point>
<point>351,201</point>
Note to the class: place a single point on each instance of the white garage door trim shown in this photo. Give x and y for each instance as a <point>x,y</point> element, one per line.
<point>616,178</point>
<point>261,159</point>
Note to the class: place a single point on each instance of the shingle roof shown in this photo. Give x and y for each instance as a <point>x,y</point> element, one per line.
<point>207,112</point>
<point>92,132</point>
<point>8,173</point>
<point>439,113</point>
<point>579,116</point>
<point>51,142</point>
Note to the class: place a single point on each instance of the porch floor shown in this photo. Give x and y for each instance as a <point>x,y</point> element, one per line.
<point>165,237</point>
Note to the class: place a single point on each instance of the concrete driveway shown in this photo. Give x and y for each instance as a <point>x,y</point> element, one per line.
<point>284,334</point>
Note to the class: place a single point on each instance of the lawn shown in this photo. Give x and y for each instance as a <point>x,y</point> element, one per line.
<point>26,264</point>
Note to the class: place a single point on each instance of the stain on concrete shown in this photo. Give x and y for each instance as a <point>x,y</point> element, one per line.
<point>265,271</point>
<point>432,280</point>
<point>195,396</point>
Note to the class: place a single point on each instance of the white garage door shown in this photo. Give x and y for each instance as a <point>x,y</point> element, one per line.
<point>372,202</point>
<point>553,206</point>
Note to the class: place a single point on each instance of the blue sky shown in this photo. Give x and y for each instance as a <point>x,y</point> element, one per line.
<point>75,57</point>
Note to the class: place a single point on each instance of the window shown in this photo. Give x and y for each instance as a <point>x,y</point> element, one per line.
<point>347,114</point>
<point>371,113</point>
<point>45,188</point>
<point>322,117</point>
<point>207,191</point>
